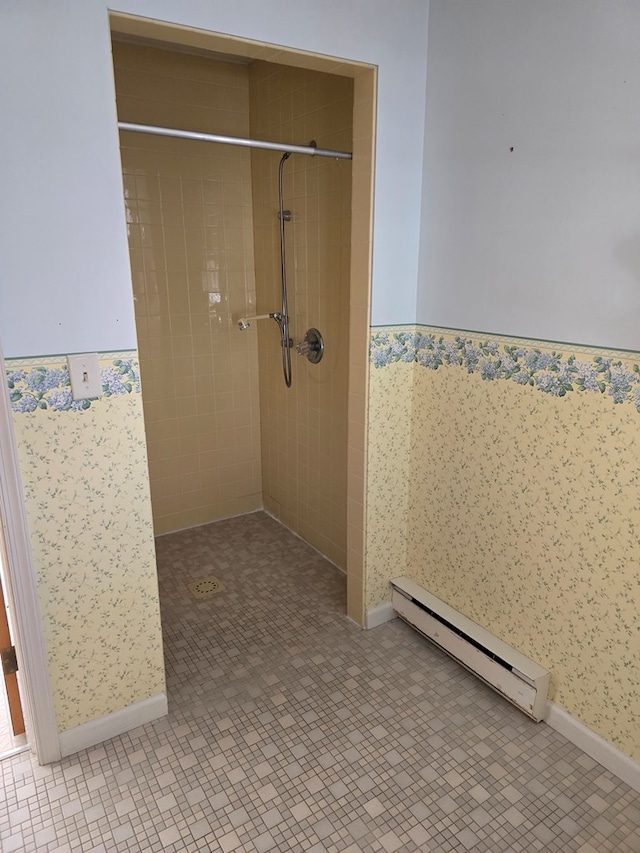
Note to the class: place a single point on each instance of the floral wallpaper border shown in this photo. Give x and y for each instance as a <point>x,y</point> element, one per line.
<point>46,384</point>
<point>532,363</point>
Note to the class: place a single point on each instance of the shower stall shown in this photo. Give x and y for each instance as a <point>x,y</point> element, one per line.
<point>225,432</point>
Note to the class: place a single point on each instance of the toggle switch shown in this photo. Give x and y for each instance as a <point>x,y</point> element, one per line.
<point>84,372</point>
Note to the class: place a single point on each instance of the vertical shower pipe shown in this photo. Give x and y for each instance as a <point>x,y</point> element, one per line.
<point>284,322</point>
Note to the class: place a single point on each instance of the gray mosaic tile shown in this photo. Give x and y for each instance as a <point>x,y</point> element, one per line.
<point>290,729</point>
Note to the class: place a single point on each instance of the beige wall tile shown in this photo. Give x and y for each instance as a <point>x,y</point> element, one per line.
<point>196,200</point>
<point>304,448</point>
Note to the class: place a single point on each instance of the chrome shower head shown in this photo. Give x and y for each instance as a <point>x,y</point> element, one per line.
<point>243,325</point>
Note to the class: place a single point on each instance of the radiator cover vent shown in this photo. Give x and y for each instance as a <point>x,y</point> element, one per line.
<point>519,679</point>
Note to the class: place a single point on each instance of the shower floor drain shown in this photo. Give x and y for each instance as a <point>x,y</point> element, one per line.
<point>205,588</point>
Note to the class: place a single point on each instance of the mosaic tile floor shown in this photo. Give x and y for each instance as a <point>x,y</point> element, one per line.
<point>292,729</point>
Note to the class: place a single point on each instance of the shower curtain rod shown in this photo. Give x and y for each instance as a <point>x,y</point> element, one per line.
<point>234,140</point>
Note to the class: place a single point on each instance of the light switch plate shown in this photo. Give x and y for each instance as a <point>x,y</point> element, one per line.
<point>84,372</point>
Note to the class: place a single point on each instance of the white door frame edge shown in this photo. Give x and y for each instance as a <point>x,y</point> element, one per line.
<point>22,594</point>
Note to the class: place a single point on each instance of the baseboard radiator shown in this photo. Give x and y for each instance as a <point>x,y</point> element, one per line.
<point>518,679</point>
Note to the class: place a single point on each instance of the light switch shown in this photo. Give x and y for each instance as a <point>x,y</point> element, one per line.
<point>84,372</point>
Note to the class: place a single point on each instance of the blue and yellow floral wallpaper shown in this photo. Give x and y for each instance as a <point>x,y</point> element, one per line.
<point>511,467</point>
<point>43,386</point>
<point>525,363</point>
<point>522,494</point>
<point>86,484</point>
<point>387,483</point>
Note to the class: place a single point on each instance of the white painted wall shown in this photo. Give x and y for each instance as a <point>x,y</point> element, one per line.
<point>65,284</point>
<point>543,241</point>
<point>64,270</point>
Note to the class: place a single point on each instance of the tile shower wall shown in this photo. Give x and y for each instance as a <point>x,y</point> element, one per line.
<point>84,471</point>
<point>191,244</point>
<point>304,428</point>
<point>523,503</point>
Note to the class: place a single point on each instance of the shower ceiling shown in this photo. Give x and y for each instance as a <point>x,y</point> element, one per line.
<point>175,47</point>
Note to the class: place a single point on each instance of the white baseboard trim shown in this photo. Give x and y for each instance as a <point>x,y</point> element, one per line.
<point>116,723</point>
<point>596,747</point>
<point>379,615</point>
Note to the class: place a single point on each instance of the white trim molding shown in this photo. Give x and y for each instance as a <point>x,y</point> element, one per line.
<point>596,747</point>
<point>379,615</point>
<point>112,725</point>
<point>22,592</point>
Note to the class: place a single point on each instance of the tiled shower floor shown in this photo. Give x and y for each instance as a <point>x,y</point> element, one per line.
<point>292,729</point>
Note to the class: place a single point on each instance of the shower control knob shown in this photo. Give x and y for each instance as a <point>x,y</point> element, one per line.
<point>312,346</point>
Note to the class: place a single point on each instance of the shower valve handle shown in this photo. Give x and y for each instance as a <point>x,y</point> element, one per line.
<point>312,346</point>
